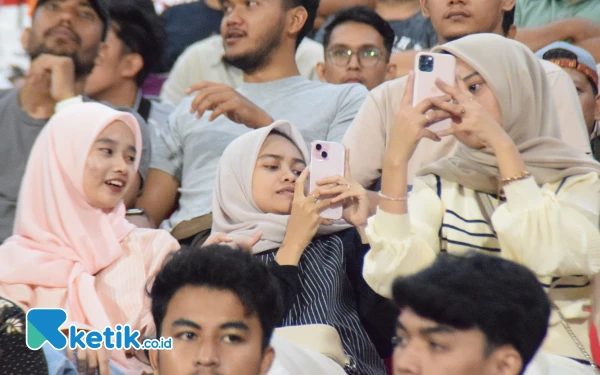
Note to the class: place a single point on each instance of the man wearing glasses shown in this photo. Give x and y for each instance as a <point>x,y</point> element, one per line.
<point>358,44</point>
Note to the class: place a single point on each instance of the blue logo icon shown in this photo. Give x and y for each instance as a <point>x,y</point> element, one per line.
<point>43,325</point>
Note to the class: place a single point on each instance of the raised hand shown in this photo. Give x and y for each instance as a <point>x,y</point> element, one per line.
<point>225,100</point>
<point>303,223</point>
<point>410,125</point>
<point>57,72</point>
<point>469,117</point>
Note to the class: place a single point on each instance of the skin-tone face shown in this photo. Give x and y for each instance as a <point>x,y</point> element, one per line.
<point>113,65</point>
<point>425,347</point>
<point>453,19</point>
<point>356,37</point>
<point>65,28</point>
<point>252,31</point>
<point>212,335</point>
<point>590,104</point>
<point>109,168</point>
<point>278,166</point>
<point>482,93</point>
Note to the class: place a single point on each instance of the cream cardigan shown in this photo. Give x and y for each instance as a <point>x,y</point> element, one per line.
<point>553,230</point>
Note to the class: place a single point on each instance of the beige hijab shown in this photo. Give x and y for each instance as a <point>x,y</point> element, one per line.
<point>234,210</point>
<point>519,84</point>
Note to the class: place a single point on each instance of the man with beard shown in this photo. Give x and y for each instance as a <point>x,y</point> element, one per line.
<point>260,37</point>
<point>62,42</point>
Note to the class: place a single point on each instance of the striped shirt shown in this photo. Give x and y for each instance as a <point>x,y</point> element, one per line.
<point>553,230</point>
<point>327,296</point>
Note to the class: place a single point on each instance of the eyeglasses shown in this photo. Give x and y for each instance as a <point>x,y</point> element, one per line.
<point>368,56</point>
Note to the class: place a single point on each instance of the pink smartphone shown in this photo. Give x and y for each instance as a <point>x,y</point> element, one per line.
<point>327,159</point>
<point>428,67</point>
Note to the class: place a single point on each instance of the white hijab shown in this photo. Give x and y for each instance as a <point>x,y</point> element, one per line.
<point>234,210</point>
<point>519,83</point>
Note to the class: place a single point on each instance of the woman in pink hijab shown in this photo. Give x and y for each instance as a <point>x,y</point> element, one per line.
<point>72,247</point>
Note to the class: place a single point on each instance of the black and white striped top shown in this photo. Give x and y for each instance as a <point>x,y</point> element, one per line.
<point>552,229</point>
<point>328,289</point>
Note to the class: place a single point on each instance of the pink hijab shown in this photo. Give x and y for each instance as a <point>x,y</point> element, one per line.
<point>59,239</point>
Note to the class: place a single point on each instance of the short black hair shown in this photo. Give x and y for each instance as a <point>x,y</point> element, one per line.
<point>311,7</point>
<point>501,298</point>
<point>561,53</point>
<point>137,25</point>
<point>99,6</point>
<point>222,268</point>
<point>508,20</point>
<point>368,16</point>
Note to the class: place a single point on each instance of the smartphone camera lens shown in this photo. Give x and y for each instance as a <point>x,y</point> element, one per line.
<point>324,155</point>
<point>318,147</point>
<point>426,63</point>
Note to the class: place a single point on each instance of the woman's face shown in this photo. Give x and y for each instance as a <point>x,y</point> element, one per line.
<point>482,93</point>
<point>278,165</point>
<point>109,167</point>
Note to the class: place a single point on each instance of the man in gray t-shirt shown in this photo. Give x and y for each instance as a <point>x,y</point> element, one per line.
<point>261,42</point>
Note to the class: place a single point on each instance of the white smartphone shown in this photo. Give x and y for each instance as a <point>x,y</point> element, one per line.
<point>428,67</point>
<point>327,159</point>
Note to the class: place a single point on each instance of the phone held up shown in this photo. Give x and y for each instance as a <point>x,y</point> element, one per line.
<point>327,159</point>
<point>428,67</point>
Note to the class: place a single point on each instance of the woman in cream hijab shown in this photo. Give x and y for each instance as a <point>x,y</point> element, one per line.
<point>259,193</point>
<point>72,247</point>
<point>512,189</point>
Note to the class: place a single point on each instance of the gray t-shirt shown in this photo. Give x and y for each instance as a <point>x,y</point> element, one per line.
<point>18,132</point>
<point>191,150</point>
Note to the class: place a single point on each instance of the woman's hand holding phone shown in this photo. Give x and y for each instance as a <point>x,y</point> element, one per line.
<point>303,223</point>
<point>351,193</point>
<point>411,124</point>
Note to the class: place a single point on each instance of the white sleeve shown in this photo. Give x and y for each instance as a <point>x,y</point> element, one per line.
<point>552,233</point>
<point>403,244</point>
<point>67,103</point>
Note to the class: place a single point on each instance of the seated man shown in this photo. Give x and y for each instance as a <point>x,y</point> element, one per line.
<point>132,50</point>
<point>368,133</point>
<point>221,306</point>
<point>358,44</point>
<point>580,65</point>
<point>474,314</point>
<point>260,42</point>
<point>203,61</point>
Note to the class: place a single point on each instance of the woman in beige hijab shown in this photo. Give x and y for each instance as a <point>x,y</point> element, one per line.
<point>512,189</point>
<point>259,195</point>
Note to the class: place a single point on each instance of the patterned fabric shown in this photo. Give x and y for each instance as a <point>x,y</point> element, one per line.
<point>15,357</point>
<point>327,297</point>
